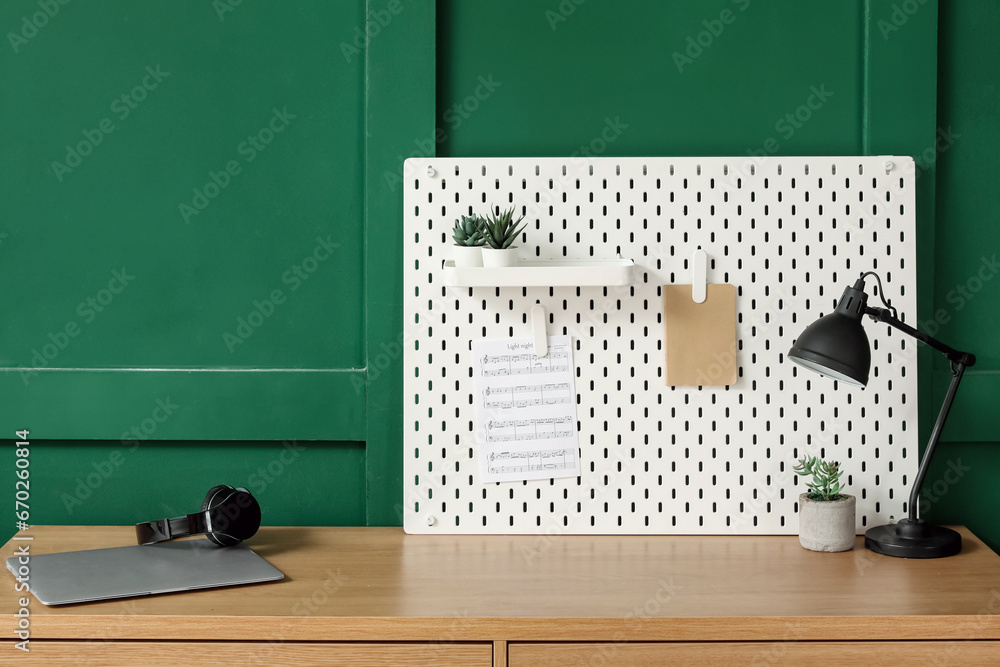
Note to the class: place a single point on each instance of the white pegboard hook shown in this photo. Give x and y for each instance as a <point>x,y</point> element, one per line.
<point>538,330</point>
<point>699,275</point>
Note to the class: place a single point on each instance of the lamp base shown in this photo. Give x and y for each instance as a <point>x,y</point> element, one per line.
<point>912,538</point>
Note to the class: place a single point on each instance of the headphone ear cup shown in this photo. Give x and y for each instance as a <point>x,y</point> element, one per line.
<point>235,515</point>
<point>221,540</point>
<point>213,495</point>
<point>212,499</point>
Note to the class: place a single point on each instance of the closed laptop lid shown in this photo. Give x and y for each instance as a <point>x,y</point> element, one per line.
<point>117,572</point>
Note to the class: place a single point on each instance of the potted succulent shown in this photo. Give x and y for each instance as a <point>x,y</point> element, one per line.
<point>501,230</point>
<point>826,516</point>
<point>469,240</point>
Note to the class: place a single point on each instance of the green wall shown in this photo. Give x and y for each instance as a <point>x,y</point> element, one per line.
<point>190,292</point>
<point>566,73</point>
<point>961,484</point>
<point>453,78</point>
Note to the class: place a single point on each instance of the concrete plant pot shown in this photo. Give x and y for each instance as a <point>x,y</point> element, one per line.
<point>827,525</point>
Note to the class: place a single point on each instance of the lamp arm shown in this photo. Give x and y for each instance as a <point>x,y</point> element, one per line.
<point>954,356</point>
<point>957,370</point>
<point>959,362</point>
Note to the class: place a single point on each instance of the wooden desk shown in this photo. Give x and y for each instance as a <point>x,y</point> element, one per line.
<point>378,596</point>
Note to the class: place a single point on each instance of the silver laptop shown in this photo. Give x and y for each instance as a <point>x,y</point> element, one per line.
<point>118,572</point>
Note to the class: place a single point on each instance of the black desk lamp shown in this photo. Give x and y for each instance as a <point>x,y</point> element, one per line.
<point>836,345</point>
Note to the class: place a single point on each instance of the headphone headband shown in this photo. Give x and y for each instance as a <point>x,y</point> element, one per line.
<point>229,516</point>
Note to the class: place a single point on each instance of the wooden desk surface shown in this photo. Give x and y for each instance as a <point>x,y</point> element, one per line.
<point>377,584</point>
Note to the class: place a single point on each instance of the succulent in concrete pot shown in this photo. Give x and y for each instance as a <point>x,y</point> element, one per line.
<point>826,516</point>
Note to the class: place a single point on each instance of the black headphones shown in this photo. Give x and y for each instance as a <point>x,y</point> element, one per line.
<point>227,517</point>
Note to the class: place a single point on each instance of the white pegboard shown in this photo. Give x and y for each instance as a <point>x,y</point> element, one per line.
<point>789,232</point>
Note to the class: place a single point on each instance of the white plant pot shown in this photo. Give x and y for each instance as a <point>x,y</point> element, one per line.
<point>827,525</point>
<point>467,255</point>
<point>499,258</point>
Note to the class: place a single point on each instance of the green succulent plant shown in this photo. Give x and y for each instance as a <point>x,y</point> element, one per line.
<point>825,483</point>
<point>501,230</point>
<point>469,231</point>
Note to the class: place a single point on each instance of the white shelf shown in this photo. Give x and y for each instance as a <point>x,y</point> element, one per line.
<point>548,273</point>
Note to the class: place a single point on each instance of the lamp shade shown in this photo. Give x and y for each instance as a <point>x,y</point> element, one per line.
<point>836,345</point>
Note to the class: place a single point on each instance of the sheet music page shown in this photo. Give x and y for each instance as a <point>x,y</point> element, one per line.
<point>525,410</point>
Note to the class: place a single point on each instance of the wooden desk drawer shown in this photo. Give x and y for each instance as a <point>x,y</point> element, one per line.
<point>655,654</point>
<point>188,654</point>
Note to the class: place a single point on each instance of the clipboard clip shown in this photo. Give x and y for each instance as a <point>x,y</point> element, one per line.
<point>699,275</point>
<point>538,330</point>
